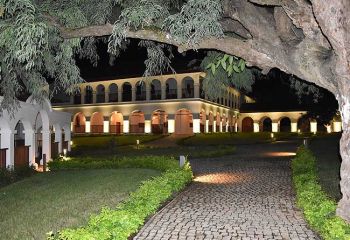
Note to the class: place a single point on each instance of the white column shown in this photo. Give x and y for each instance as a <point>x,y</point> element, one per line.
<point>126,126</point>
<point>29,140</point>
<point>8,141</point>
<point>196,125</point>
<point>133,93</point>
<point>275,127</point>
<point>163,90</point>
<point>120,95</point>
<point>256,127</point>
<point>337,127</point>
<point>106,126</point>
<point>106,96</point>
<point>67,137</point>
<point>148,92</point>
<point>58,138</point>
<point>94,97</point>
<point>87,127</point>
<point>171,124</point>
<point>214,126</point>
<point>148,126</point>
<point>294,127</point>
<point>221,126</point>
<point>47,143</point>
<point>196,90</point>
<point>207,125</point>
<point>179,90</point>
<point>313,127</point>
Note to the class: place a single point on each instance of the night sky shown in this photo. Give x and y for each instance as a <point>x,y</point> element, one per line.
<point>271,91</point>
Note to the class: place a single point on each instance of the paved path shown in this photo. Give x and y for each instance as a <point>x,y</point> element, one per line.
<point>248,195</point>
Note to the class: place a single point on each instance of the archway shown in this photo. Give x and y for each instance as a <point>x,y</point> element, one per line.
<point>116,123</point>
<point>171,88</point>
<point>156,90</point>
<point>187,87</point>
<point>285,125</point>
<point>304,124</point>
<point>100,94</point>
<point>159,122</point>
<point>266,124</point>
<point>79,123</point>
<point>113,93</point>
<point>247,124</point>
<point>96,122</point>
<point>140,91</point>
<point>137,122</point>
<point>127,92</point>
<point>203,120</point>
<point>210,122</point>
<point>21,152</point>
<point>88,94</point>
<point>183,122</point>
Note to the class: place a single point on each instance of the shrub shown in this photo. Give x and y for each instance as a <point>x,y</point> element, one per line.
<point>127,218</point>
<point>8,176</point>
<point>318,208</point>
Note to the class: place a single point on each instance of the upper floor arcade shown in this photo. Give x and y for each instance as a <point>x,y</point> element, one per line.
<point>157,88</point>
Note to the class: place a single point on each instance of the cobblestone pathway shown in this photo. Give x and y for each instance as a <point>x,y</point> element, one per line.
<point>248,195</point>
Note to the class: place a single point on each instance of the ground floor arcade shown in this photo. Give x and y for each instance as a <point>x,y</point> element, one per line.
<point>35,132</point>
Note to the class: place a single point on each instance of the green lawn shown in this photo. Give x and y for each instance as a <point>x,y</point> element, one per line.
<point>56,200</point>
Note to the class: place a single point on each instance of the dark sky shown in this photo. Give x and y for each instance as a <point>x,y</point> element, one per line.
<point>272,92</point>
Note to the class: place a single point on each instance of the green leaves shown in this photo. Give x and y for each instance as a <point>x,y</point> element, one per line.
<point>228,63</point>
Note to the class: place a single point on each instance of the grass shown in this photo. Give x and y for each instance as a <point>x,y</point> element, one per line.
<point>55,200</point>
<point>318,208</point>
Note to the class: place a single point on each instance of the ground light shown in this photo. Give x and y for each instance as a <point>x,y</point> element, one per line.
<point>65,152</point>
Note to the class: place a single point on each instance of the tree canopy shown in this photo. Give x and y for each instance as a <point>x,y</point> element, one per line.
<point>310,39</point>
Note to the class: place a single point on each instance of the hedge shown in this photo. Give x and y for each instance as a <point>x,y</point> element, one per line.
<point>319,209</point>
<point>130,215</point>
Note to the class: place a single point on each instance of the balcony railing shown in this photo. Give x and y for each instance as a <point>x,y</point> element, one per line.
<point>113,97</point>
<point>187,93</point>
<point>100,98</point>
<point>141,97</point>
<point>156,95</point>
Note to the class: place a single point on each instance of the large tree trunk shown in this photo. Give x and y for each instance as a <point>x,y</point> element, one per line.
<point>343,209</point>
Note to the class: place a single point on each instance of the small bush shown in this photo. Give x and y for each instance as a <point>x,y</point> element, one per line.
<point>8,176</point>
<point>318,208</point>
<point>129,216</point>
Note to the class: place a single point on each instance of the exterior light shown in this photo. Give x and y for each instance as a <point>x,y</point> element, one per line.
<point>272,135</point>
<point>298,130</point>
<point>65,152</point>
<point>305,142</point>
<point>137,142</point>
<point>71,142</point>
<point>182,160</point>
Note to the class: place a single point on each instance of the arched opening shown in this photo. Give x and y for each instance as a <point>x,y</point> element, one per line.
<point>127,92</point>
<point>113,93</point>
<point>21,151</point>
<point>96,122</point>
<point>137,122</point>
<point>217,122</point>
<point>159,122</point>
<point>210,122</point>
<point>304,124</point>
<point>247,124</point>
<point>140,91</point>
<point>156,90</point>
<point>77,98</point>
<point>79,123</point>
<point>88,94</point>
<point>285,125</point>
<point>171,88</point>
<point>116,123</point>
<point>203,120</point>
<point>100,94</point>
<point>183,122</point>
<point>266,124</point>
<point>187,88</point>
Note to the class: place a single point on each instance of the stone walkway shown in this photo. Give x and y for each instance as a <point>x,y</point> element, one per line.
<point>248,195</point>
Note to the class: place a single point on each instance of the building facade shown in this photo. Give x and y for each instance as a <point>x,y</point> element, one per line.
<point>160,105</point>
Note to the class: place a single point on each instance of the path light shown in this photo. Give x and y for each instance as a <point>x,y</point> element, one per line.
<point>272,135</point>
<point>137,143</point>
<point>65,152</point>
<point>182,161</point>
<point>71,142</point>
<point>305,142</point>
<point>298,130</point>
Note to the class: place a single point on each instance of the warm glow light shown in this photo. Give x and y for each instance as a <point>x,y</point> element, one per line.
<point>329,128</point>
<point>272,135</point>
<point>298,130</point>
<point>274,127</point>
<point>256,127</point>
<point>87,126</point>
<point>222,178</point>
<point>280,154</point>
<point>337,126</point>
<point>148,126</point>
<point>106,126</point>
<point>313,127</point>
<point>137,142</point>
<point>126,126</point>
<point>64,152</point>
<point>71,142</point>
<point>171,126</point>
<point>196,125</point>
